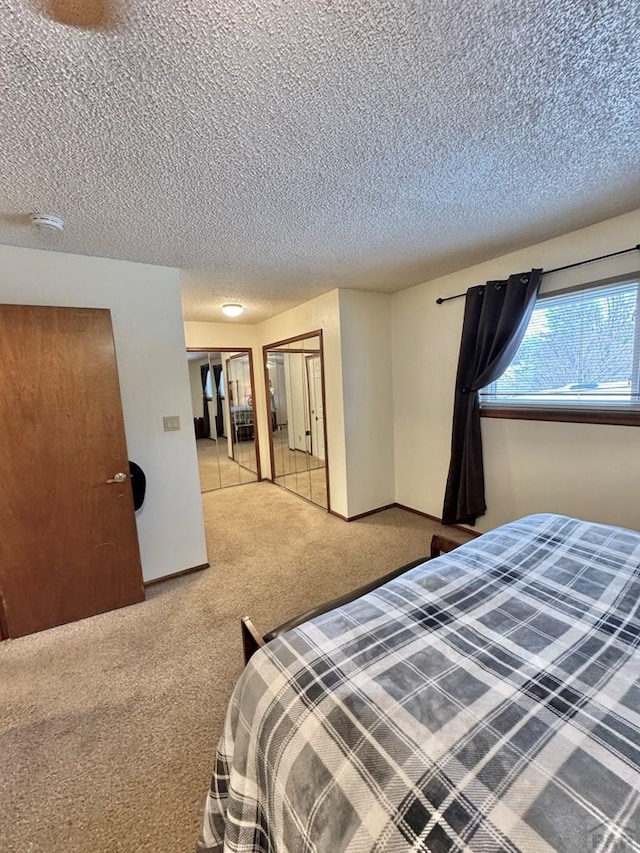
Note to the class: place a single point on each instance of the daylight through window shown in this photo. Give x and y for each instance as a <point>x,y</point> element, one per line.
<point>581,350</point>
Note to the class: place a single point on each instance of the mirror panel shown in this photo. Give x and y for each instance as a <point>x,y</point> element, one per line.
<point>222,401</point>
<point>296,404</point>
<point>242,432</point>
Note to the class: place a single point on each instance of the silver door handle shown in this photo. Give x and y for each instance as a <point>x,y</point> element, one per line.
<point>118,478</point>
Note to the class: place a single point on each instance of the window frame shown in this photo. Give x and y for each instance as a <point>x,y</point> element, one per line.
<point>619,416</point>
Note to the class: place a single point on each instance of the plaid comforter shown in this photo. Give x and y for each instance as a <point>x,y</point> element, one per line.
<point>488,700</point>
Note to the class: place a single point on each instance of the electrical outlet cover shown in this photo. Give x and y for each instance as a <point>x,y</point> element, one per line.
<point>171,423</point>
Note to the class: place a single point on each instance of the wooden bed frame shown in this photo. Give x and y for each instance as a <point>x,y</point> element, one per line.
<point>252,640</point>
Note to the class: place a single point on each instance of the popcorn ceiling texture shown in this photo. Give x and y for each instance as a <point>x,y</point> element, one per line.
<point>279,148</point>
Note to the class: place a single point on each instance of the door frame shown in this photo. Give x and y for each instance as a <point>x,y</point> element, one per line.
<point>240,351</point>
<point>228,394</point>
<point>317,333</point>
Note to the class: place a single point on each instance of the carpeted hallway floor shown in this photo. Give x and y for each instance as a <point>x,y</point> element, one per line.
<point>108,726</point>
<point>218,471</point>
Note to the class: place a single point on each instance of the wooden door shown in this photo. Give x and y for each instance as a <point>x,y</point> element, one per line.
<point>69,546</point>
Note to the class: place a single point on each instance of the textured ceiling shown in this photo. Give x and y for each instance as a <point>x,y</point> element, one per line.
<point>278,148</point>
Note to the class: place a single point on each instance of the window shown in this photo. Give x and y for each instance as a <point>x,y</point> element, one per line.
<point>579,360</point>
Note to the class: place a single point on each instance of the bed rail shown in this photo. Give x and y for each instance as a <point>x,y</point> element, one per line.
<point>252,640</point>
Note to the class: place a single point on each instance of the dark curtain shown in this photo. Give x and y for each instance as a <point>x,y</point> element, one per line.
<point>217,371</point>
<point>496,317</point>
<point>204,370</point>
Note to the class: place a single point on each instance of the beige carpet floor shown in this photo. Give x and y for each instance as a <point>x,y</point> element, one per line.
<point>108,726</point>
<point>218,471</point>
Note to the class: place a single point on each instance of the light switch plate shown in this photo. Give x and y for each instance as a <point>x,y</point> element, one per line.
<point>171,423</point>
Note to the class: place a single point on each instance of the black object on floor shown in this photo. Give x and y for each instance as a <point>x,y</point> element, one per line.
<point>138,484</point>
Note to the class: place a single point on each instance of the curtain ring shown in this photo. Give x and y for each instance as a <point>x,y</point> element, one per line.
<point>481,291</point>
<point>524,279</point>
<point>498,286</point>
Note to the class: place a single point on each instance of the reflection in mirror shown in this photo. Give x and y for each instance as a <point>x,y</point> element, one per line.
<point>222,401</point>
<point>296,414</point>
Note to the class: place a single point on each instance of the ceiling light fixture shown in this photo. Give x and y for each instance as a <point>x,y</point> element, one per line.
<point>47,222</point>
<point>232,309</point>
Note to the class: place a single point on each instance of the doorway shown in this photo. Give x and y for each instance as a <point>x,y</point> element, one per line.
<point>294,377</point>
<point>222,399</point>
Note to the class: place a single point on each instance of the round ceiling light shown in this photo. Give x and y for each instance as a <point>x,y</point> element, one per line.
<point>232,309</point>
<point>47,222</point>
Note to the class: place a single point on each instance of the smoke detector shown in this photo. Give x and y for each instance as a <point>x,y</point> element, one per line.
<point>47,222</point>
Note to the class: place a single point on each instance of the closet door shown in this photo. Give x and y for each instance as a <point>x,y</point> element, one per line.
<point>69,545</point>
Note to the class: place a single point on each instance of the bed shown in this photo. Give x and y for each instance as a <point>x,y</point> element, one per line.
<point>486,700</point>
<point>242,419</point>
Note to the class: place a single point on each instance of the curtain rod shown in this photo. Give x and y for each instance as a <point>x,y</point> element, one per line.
<point>635,248</point>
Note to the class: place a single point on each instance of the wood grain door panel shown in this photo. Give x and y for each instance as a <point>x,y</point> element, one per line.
<point>69,546</point>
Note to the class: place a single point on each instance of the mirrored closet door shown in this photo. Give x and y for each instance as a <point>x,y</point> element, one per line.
<point>295,375</point>
<point>222,398</point>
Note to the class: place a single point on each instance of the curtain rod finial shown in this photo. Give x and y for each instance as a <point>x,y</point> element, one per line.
<point>439,300</point>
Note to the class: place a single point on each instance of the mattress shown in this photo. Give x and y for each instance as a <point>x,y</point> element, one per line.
<point>488,700</point>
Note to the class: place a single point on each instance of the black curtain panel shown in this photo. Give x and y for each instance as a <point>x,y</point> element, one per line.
<point>496,317</point>
<point>204,370</point>
<point>217,372</point>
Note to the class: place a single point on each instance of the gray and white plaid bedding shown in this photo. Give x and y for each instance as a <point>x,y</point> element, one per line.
<point>488,700</point>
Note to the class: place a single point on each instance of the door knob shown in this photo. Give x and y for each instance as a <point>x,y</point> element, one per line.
<point>118,478</point>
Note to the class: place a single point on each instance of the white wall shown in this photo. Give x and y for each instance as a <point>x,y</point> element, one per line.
<point>320,313</point>
<point>195,382</point>
<point>225,335</point>
<point>359,415</point>
<point>365,336</point>
<point>149,339</point>
<point>357,362</point>
<point>587,470</point>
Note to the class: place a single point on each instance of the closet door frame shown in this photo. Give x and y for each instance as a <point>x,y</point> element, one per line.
<point>266,349</point>
<point>242,351</point>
